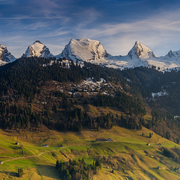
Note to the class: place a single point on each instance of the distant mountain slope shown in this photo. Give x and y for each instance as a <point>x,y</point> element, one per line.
<point>37,49</point>
<point>140,55</point>
<point>92,51</point>
<point>5,55</point>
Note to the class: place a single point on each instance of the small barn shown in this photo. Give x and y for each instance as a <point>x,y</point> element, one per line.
<point>16,143</point>
<point>44,145</point>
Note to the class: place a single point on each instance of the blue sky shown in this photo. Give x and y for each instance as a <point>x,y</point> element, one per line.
<point>117,24</point>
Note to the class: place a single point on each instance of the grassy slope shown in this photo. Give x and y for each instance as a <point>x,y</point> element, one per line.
<point>125,155</point>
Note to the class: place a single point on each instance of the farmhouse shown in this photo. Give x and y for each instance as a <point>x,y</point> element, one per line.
<point>103,139</point>
<point>44,145</point>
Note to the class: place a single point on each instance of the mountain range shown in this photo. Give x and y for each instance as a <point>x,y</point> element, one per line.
<point>92,51</point>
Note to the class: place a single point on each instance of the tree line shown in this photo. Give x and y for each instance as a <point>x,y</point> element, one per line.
<point>77,169</point>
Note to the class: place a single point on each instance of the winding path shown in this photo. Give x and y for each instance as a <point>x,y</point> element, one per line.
<point>33,155</point>
<point>24,157</point>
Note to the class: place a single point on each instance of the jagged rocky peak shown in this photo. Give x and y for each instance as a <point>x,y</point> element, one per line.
<point>38,41</point>
<point>172,54</point>
<point>5,55</point>
<point>37,49</point>
<point>84,49</point>
<point>141,51</point>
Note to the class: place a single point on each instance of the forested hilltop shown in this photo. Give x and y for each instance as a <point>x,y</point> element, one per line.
<point>36,93</point>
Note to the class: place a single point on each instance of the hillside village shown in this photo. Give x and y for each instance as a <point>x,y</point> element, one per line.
<point>64,63</point>
<point>85,88</point>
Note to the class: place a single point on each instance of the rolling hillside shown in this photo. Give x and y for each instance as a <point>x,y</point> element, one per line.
<point>128,155</point>
<point>55,111</point>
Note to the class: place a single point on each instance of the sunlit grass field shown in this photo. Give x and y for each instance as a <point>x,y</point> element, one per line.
<point>126,154</point>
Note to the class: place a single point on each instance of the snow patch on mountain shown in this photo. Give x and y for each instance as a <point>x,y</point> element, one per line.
<point>5,55</point>
<point>172,54</point>
<point>158,94</point>
<point>37,49</point>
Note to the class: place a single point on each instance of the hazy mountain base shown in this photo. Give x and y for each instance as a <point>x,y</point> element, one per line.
<point>128,156</point>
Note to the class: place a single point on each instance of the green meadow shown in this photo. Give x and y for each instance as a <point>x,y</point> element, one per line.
<point>128,155</point>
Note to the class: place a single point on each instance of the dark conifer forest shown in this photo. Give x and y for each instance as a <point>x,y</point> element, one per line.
<point>25,80</point>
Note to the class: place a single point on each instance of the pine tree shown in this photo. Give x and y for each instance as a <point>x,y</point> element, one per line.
<point>20,172</point>
<point>57,164</point>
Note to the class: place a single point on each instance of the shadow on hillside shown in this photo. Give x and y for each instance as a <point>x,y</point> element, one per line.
<point>91,141</point>
<point>48,171</point>
<point>145,136</point>
<point>14,174</point>
<point>13,146</point>
<point>159,153</point>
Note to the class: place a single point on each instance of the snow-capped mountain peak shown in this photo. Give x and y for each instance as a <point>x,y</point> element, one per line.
<point>84,50</point>
<point>38,41</point>
<point>172,54</point>
<point>92,51</point>
<point>141,51</point>
<point>5,55</point>
<point>37,49</point>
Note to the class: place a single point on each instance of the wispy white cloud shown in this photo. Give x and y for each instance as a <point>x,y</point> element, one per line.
<point>7,1</point>
<point>49,9</point>
<point>36,25</point>
<point>157,24</point>
<point>24,17</point>
<point>15,17</point>
<point>126,3</point>
<point>58,32</point>
<point>86,17</point>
